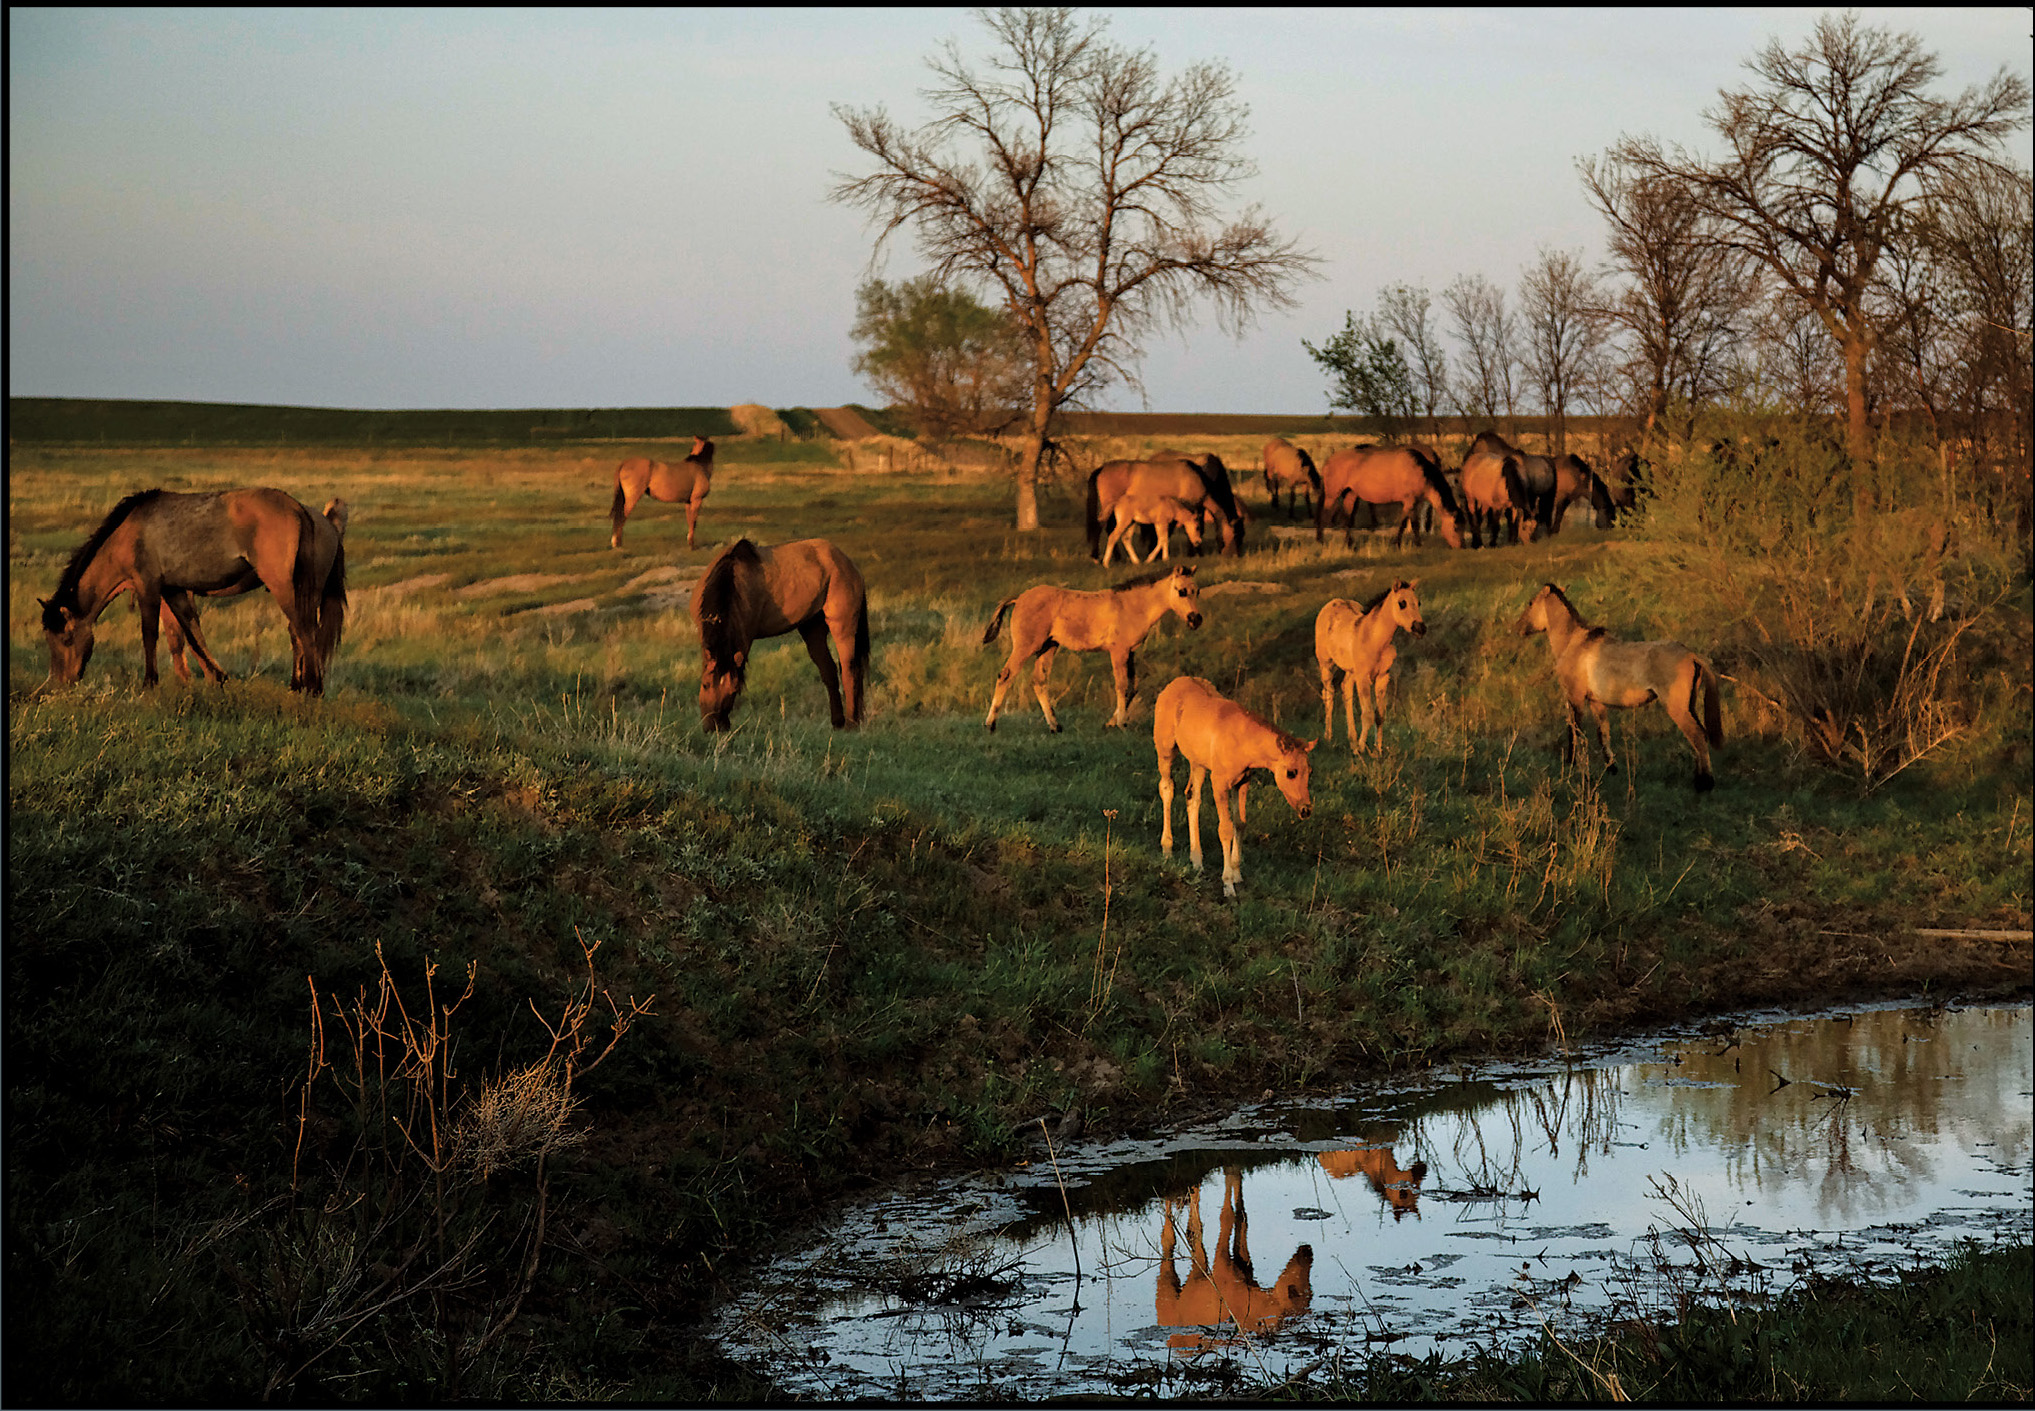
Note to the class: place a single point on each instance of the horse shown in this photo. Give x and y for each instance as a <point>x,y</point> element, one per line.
<point>689,481</point>
<point>331,530</point>
<point>1163,513</point>
<point>1358,641</point>
<point>1221,739</point>
<point>1290,468</point>
<point>1596,670</point>
<point>1116,621</point>
<point>806,586</point>
<point>1622,481</point>
<point>1575,481</point>
<point>1226,1290</point>
<point>1493,484</point>
<point>1398,1186</point>
<point>166,546</point>
<point>1202,482</point>
<point>1381,475</point>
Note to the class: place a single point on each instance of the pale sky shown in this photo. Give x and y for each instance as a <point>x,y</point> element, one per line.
<point>590,208</point>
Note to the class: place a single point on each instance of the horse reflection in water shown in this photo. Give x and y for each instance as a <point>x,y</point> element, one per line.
<point>1398,1186</point>
<point>1225,1291</point>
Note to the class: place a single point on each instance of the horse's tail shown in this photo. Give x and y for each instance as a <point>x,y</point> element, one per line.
<point>308,592</point>
<point>332,593</point>
<point>1093,520</point>
<point>996,621</point>
<point>619,509</point>
<point>1713,718</point>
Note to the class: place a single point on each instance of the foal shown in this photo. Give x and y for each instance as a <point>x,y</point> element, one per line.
<point>1599,671</point>
<point>1116,621</point>
<point>1164,513</point>
<point>1222,739</point>
<point>1358,641</point>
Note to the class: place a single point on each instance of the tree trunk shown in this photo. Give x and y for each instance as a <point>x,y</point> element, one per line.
<point>1031,452</point>
<point>1855,443</point>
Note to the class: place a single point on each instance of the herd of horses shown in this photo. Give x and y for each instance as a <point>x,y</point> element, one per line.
<point>168,549</point>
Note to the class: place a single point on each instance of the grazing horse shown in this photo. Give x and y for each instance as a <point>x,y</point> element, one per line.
<point>1622,479</point>
<point>1382,475</point>
<point>167,546</point>
<point>1575,481</point>
<point>1116,621</point>
<point>331,530</point>
<point>1221,739</point>
<point>1598,671</point>
<point>1225,1291</point>
<point>1163,513</point>
<point>1290,468</point>
<point>807,586</point>
<point>1358,641</point>
<point>689,481</point>
<point>1494,484</point>
<point>1202,482</point>
<point>1398,1186</point>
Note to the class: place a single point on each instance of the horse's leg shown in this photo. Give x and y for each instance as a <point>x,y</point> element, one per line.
<point>1603,713</point>
<point>1327,696</point>
<point>626,496</point>
<point>1372,693</point>
<point>1125,666</point>
<point>1574,732</point>
<point>183,622</point>
<point>1196,773</point>
<point>851,645</point>
<point>1041,670</point>
<point>1356,738</point>
<point>1166,797</point>
<point>1232,845</point>
<point>692,514</point>
<point>148,601</point>
<point>1677,703</point>
<point>814,631</point>
<point>1005,677</point>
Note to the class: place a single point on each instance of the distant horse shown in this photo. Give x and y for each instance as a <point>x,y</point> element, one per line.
<point>1598,671</point>
<point>331,530</point>
<point>1381,475</point>
<point>1494,485</point>
<point>1163,513</point>
<point>1398,1186</point>
<point>807,586</point>
<point>1622,480</point>
<point>1576,482</point>
<point>1221,739</point>
<point>1290,468</point>
<point>1224,1291</point>
<point>689,481</point>
<point>1358,641</point>
<point>1116,621</point>
<point>167,546</point>
<point>1203,482</point>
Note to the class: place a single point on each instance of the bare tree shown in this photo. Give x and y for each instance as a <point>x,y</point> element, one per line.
<point>1489,335</point>
<point>1407,313</point>
<point>1832,142</point>
<point>1066,172</point>
<point>1683,296</point>
<point>1558,307</point>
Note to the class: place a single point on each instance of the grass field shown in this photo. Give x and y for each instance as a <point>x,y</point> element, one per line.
<point>868,950</point>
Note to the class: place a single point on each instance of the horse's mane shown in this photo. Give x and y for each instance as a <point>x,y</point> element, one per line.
<point>720,601</point>
<point>66,595</point>
<point>1430,471</point>
<point>1145,580</point>
<point>705,454</point>
<point>1569,605</point>
<point>1371,606</point>
<point>1215,479</point>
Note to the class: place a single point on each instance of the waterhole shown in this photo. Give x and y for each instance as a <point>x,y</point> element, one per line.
<point>1472,1208</point>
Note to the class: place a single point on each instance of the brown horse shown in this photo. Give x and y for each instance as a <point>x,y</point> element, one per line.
<point>1575,482</point>
<point>1398,1186</point>
<point>1225,1291</point>
<point>167,546</point>
<point>1290,468</point>
<point>331,531</point>
<point>1116,621</point>
<point>1622,482</point>
<point>689,481</point>
<point>1383,475</point>
<point>1202,482</point>
<point>1494,485</point>
<point>1358,641</point>
<point>807,586</point>
<point>1598,671</point>
<point>1163,513</point>
<point>1221,739</point>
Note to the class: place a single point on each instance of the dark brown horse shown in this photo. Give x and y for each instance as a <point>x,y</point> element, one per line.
<point>689,481</point>
<point>1495,485</point>
<point>1576,483</point>
<point>166,547</point>
<point>1385,475</point>
<point>750,591</point>
<point>1200,481</point>
<point>331,531</point>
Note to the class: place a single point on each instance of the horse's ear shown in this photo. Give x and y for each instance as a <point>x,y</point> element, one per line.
<point>1413,582</point>
<point>1308,746</point>
<point>1187,570</point>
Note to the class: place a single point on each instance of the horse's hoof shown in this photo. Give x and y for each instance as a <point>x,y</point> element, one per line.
<point>1704,783</point>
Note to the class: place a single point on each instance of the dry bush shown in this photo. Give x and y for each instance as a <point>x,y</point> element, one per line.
<point>754,420</point>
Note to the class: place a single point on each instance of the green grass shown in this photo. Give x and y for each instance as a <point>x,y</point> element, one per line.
<point>870,950</point>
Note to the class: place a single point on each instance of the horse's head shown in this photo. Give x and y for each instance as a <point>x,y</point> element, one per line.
<point>70,642</point>
<point>1535,618</point>
<point>1291,773</point>
<point>701,446</point>
<point>1183,594</point>
<point>720,682</point>
<point>1403,605</point>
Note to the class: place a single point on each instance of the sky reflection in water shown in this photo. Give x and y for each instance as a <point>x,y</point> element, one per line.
<point>1462,1210</point>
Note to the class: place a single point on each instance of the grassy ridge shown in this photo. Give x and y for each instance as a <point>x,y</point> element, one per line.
<point>95,421</point>
<point>870,950</point>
